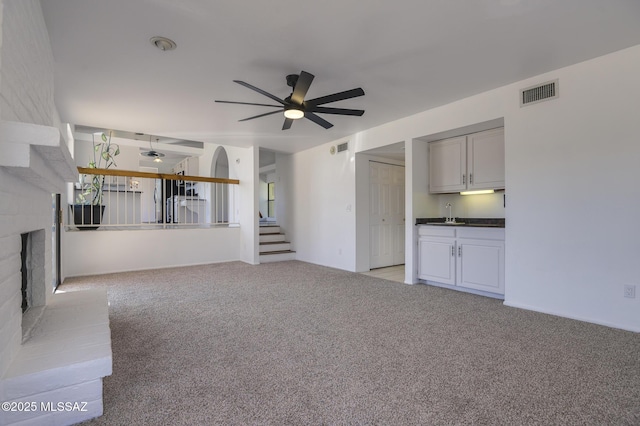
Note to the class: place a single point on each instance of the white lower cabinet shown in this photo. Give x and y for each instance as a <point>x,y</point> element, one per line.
<point>465,257</point>
<point>437,261</point>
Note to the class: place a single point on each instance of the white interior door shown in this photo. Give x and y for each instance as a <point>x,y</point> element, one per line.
<point>386,214</point>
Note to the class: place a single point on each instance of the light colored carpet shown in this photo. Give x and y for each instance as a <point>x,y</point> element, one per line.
<point>301,344</point>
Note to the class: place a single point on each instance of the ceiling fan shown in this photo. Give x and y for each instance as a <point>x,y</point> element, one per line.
<point>295,106</point>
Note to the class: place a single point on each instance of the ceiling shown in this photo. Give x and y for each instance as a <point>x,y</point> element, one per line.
<point>408,56</point>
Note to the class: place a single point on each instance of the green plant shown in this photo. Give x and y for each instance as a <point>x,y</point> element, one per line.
<point>104,154</point>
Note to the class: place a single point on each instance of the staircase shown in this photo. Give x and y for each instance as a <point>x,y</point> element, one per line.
<point>273,247</point>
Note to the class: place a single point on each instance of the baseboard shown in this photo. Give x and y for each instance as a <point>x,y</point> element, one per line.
<point>146,268</point>
<point>573,317</point>
<point>462,289</point>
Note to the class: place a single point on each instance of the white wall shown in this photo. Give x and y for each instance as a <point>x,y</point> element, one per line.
<point>133,250</point>
<point>323,190</point>
<point>246,169</point>
<point>572,205</point>
<point>243,165</point>
<point>418,203</point>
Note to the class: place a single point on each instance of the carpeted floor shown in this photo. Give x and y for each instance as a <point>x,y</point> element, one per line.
<point>300,344</point>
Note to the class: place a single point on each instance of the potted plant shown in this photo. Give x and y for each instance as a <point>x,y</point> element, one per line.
<point>88,208</point>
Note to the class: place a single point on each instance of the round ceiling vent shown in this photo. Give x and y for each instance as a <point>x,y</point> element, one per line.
<point>163,43</point>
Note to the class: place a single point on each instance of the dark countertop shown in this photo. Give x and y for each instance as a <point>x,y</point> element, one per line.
<point>463,221</point>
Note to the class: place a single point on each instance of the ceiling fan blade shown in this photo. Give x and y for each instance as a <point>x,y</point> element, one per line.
<point>318,120</point>
<point>287,123</point>
<point>347,94</point>
<point>302,86</point>
<point>261,115</point>
<point>339,111</point>
<point>248,103</point>
<point>262,92</point>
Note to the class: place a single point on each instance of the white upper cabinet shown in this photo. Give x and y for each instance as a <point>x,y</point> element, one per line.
<point>448,165</point>
<point>485,160</point>
<point>187,167</point>
<point>471,162</point>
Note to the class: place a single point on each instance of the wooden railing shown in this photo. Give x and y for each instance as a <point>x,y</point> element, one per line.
<point>132,199</point>
<point>143,175</point>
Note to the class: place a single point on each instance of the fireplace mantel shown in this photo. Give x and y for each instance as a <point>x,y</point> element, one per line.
<point>37,154</point>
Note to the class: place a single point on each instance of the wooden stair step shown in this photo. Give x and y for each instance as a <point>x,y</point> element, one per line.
<point>277,252</point>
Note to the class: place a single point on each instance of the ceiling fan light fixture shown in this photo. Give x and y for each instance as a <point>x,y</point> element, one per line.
<point>157,160</point>
<point>293,113</point>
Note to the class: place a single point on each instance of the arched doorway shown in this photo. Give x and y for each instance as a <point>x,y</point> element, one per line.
<point>219,191</point>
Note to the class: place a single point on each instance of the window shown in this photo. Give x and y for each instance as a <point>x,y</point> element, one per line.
<point>271,199</point>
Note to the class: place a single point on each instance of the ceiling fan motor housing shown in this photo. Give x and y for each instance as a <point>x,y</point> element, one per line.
<point>292,79</point>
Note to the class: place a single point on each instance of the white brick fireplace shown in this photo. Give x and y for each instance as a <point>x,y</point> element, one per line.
<point>59,350</point>
<point>66,348</point>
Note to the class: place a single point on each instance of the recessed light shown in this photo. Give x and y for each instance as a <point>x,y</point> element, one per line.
<point>163,43</point>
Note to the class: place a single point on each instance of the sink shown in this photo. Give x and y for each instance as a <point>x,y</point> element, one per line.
<point>479,223</point>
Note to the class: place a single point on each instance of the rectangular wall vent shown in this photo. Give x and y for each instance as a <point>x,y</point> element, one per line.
<point>343,147</point>
<point>541,92</point>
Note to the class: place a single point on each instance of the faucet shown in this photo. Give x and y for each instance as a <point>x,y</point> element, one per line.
<point>449,218</point>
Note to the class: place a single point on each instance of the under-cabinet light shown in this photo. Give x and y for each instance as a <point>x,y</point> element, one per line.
<point>482,191</point>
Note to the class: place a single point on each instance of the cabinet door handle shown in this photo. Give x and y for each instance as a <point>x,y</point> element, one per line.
<point>453,251</point>
<point>459,251</point>
<point>470,177</point>
<point>464,178</point>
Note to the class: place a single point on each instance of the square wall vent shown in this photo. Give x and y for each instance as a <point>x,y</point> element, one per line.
<point>541,92</point>
<point>343,147</point>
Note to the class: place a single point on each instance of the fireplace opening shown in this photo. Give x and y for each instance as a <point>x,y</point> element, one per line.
<point>25,268</point>
<point>33,288</point>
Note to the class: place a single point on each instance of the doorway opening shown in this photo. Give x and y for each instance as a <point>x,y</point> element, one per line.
<point>56,219</point>
<point>386,214</point>
<point>220,193</point>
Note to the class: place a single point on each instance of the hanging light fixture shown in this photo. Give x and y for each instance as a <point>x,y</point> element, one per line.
<point>157,156</point>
